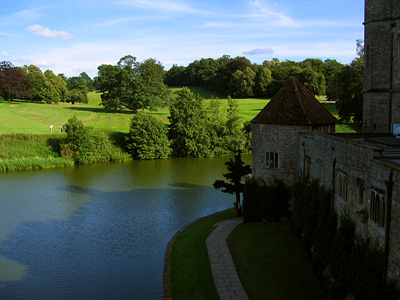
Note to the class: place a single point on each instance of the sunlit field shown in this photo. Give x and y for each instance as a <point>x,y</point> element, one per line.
<point>25,117</point>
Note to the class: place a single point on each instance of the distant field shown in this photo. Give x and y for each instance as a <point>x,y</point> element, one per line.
<point>25,117</point>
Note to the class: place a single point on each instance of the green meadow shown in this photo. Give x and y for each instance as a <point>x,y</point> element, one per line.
<point>36,118</point>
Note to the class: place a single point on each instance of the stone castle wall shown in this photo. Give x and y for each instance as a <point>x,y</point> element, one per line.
<point>358,167</point>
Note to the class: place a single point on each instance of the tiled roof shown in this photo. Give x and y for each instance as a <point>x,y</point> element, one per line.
<point>293,104</point>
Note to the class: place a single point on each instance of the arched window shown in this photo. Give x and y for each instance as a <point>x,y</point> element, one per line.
<point>377,208</point>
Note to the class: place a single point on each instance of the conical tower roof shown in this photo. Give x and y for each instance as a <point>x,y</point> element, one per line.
<point>293,104</point>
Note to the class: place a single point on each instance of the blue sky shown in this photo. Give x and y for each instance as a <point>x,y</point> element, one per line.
<point>74,36</point>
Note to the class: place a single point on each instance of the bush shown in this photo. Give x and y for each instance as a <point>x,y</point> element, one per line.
<point>86,145</point>
<point>148,137</point>
<point>262,201</point>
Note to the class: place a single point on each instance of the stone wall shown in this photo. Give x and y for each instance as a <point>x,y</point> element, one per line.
<point>348,167</point>
<point>382,69</point>
<point>282,139</point>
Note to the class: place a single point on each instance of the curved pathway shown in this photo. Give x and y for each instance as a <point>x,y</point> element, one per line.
<point>223,269</point>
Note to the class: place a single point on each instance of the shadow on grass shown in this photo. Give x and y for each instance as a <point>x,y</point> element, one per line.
<point>100,110</point>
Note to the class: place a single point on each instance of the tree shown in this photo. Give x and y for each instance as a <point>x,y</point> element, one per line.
<point>242,83</point>
<point>77,90</point>
<point>55,88</point>
<point>234,138</point>
<point>133,85</point>
<point>151,90</point>
<point>262,80</point>
<point>13,82</point>
<point>347,87</point>
<point>88,80</point>
<point>84,144</point>
<point>313,81</point>
<point>188,129</point>
<point>235,177</point>
<point>148,137</point>
<point>177,76</point>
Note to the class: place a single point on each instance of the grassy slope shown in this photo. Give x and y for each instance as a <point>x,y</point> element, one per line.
<point>272,263</point>
<point>24,117</point>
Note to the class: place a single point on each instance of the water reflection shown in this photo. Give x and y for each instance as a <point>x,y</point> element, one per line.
<point>99,231</point>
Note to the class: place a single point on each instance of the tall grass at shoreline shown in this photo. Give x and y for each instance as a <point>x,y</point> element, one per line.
<point>42,151</point>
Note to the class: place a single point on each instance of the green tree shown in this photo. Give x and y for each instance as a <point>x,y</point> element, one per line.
<point>148,137</point>
<point>151,90</point>
<point>262,81</point>
<point>36,76</point>
<point>235,179</point>
<point>313,81</point>
<point>177,76</point>
<point>234,139</point>
<point>133,85</point>
<point>216,120</point>
<point>88,80</point>
<point>84,144</point>
<point>188,126</point>
<point>54,89</point>
<point>13,82</point>
<point>242,83</point>
<point>347,87</point>
<point>77,90</point>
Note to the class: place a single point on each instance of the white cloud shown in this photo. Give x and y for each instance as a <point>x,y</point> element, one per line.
<point>262,9</point>
<point>4,53</point>
<point>42,63</point>
<point>259,51</point>
<point>46,32</point>
<point>18,17</point>
<point>164,6</point>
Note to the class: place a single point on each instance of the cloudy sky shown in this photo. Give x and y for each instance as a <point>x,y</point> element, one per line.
<point>74,36</point>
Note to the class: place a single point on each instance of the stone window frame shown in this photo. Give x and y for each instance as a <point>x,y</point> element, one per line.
<point>377,212</point>
<point>272,160</point>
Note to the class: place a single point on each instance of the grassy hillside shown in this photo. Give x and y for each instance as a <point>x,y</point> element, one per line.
<point>35,118</point>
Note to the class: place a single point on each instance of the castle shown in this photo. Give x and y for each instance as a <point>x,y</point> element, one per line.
<point>294,137</point>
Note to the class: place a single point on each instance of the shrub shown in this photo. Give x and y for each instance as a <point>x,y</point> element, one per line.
<point>86,145</point>
<point>148,137</point>
<point>262,201</point>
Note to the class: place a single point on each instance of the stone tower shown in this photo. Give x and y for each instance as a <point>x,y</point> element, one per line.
<point>382,69</point>
<point>277,128</point>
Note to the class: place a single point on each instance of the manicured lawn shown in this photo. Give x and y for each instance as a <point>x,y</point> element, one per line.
<point>272,263</point>
<point>25,117</point>
<point>270,260</point>
<point>191,276</point>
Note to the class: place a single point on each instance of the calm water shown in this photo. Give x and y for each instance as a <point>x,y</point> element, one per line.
<point>99,231</point>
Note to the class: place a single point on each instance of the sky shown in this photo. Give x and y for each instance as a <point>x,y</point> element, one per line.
<point>74,36</point>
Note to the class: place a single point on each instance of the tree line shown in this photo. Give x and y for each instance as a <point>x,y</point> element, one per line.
<point>134,85</point>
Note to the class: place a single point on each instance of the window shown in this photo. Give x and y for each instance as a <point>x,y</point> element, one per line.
<point>377,209</point>
<point>272,160</point>
<point>307,167</point>
<point>342,186</point>
<point>361,188</point>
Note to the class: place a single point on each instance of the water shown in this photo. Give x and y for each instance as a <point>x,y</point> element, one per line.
<point>99,231</point>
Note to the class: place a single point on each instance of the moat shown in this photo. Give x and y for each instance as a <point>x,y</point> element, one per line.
<point>100,231</point>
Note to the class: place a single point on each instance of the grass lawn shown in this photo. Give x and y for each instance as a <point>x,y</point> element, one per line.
<point>272,263</point>
<point>25,117</point>
<point>269,258</point>
<point>191,276</point>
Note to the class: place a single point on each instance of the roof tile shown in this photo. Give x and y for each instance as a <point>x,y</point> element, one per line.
<point>293,104</point>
